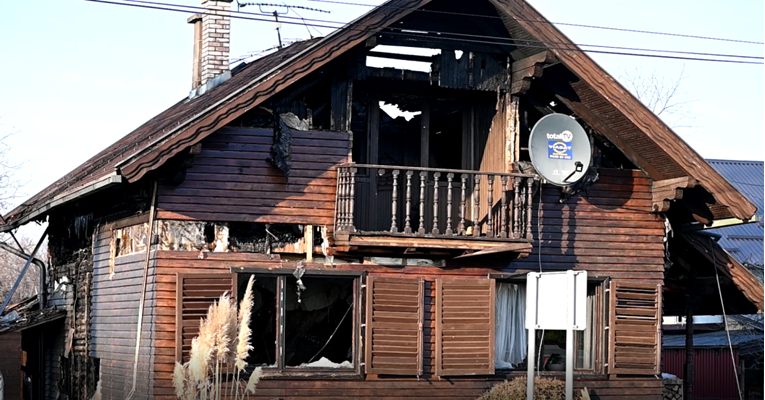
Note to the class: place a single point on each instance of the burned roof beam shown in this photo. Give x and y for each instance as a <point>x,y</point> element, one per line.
<point>405,57</point>
<point>435,42</point>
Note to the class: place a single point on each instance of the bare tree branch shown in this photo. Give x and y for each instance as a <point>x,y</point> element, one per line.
<point>661,95</point>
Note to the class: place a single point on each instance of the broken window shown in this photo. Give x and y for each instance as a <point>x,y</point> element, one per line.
<point>511,336</point>
<point>303,321</point>
<point>262,320</point>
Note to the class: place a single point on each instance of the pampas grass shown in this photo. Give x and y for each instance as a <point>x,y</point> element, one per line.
<point>219,353</point>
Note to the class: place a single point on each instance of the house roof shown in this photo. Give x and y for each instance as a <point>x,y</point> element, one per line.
<point>596,97</point>
<point>104,164</point>
<point>744,242</point>
<point>713,339</point>
<point>745,281</point>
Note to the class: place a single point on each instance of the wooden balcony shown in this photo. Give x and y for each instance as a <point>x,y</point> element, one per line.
<point>431,210</point>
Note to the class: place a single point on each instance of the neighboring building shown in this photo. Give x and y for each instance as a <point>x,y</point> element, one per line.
<point>714,360</point>
<point>715,377</point>
<point>412,238</point>
<point>744,242</point>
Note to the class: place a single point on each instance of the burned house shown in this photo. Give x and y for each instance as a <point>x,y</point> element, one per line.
<point>389,254</point>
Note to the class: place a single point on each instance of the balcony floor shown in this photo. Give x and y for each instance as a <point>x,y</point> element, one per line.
<point>457,244</point>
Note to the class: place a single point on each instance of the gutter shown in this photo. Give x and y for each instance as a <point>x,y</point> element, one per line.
<point>86,189</point>
<point>719,223</point>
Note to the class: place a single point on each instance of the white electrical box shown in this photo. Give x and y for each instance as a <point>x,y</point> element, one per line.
<point>549,296</point>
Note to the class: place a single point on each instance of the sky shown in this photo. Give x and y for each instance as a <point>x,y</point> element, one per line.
<point>79,75</point>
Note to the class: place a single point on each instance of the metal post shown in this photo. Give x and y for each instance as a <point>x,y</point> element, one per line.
<point>571,304</point>
<point>23,271</point>
<point>530,363</point>
<point>688,373</point>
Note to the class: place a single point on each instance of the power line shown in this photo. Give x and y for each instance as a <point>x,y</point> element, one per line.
<point>509,40</point>
<point>495,41</point>
<point>551,23</point>
<point>592,51</point>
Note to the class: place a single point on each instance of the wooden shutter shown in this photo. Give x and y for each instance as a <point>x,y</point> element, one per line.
<point>195,293</point>
<point>394,326</point>
<point>635,325</point>
<point>465,326</point>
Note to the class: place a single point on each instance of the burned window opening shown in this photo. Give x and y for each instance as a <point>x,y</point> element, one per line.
<point>318,326</point>
<point>262,319</point>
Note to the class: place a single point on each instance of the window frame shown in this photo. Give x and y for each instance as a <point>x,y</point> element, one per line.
<point>600,358</point>
<point>281,370</point>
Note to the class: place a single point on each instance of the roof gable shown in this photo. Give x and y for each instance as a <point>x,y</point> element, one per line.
<point>597,98</point>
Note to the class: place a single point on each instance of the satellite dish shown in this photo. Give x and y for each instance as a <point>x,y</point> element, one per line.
<point>560,149</point>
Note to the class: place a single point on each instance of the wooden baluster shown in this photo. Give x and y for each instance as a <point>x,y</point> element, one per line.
<point>517,208</point>
<point>529,206</point>
<point>352,227</point>
<point>489,212</point>
<point>407,221</point>
<point>340,206</point>
<point>423,184</point>
<point>503,216</point>
<point>449,178</point>
<point>461,226</point>
<point>346,200</point>
<point>375,192</point>
<point>436,175</point>
<point>394,202</point>
<point>476,205</point>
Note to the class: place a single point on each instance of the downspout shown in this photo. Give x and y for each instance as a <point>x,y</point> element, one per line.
<point>149,241</point>
<point>23,271</point>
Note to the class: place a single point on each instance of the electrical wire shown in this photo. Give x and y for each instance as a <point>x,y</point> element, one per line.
<point>507,40</point>
<point>512,42</point>
<point>439,35</point>
<point>539,258</point>
<point>549,22</point>
<point>598,51</point>
<point>725,317</point>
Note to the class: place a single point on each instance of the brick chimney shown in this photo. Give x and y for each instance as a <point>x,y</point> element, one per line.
<point>211,43</point>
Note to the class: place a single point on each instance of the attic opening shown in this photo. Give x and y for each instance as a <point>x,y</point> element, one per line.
<point>401,57</point>
<point>547,95</point>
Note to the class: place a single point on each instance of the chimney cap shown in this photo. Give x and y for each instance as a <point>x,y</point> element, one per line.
<point>194,18</point>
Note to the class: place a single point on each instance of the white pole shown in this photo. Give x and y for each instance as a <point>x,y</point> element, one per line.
<point>570,336</point>
<point>530,357</point>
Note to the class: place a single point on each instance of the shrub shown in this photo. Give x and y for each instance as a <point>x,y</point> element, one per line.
<point>544,389</point>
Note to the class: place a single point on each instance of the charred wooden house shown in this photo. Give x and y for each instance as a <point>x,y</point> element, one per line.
<point>411,237</point>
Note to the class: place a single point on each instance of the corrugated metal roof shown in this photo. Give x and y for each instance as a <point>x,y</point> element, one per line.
<point>744,242</point>
<point>712,339</point>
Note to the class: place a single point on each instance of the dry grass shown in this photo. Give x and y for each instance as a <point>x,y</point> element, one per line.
<point>219,354</point>
<point>544,389</point>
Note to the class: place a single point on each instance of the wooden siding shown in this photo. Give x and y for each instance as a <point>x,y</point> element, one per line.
<point>10,364</point>
<point>609,231</point>
<point>113,326</point>
<point>54,340</point>
<point>163,292</point>
<point>260,192</point>
<point>168,264</point>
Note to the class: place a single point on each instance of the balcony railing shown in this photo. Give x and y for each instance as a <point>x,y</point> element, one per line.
<point>433,202</point>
